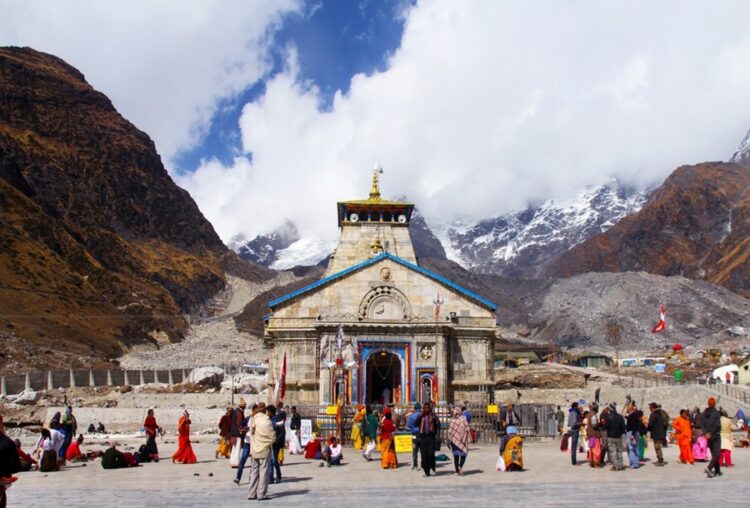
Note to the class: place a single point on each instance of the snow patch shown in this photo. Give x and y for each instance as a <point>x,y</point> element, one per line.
<point>303,252</point>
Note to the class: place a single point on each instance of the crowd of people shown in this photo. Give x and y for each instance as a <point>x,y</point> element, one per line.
<point>258,440</point>
<point>608,434</point>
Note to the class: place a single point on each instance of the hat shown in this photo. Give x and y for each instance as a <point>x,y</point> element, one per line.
<point>417,406</point>
<point>653,405</point>
<point>613,406</point>
<point>243,403</point>
<point>711,402</point>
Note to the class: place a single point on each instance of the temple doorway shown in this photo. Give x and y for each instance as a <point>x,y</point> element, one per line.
<point>383,377</point>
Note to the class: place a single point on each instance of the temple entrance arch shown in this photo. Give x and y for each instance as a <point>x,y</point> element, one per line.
<point>384,383</point>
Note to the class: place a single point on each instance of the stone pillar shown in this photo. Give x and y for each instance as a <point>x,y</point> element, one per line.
<point>27,384</point>
<point>91,378</point>
<point>142,382</point>
<point>109,378</point>
<point>50,382</point>
<point>126,378</point>
<point>3,387</point>
<point>170,378</point>
<point>72,379</point>
<point>156,376</point>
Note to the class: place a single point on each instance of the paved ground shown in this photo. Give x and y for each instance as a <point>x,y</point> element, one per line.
<point>549,480</point>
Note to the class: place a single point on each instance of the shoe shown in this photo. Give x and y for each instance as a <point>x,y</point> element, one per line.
<point>614,468</point>
<point>719,473</point>
<point>252,498</point>
<point>709,473</point>
<point>660,464</point>
<point>236,481</point>
<point>321,464</point>
<point>413,468</point>
<point>327,464</point>
<point>427,474</point>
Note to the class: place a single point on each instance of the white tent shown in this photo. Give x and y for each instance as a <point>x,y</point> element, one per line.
<point>721,372</point>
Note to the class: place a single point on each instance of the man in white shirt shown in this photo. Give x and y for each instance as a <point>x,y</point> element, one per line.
<point>333,454</point>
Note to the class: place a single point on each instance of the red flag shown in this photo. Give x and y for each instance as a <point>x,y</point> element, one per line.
<point>662,324</point>
<point>280,388</point>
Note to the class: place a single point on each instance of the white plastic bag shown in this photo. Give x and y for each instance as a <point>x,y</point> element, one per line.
<point>500,464</point>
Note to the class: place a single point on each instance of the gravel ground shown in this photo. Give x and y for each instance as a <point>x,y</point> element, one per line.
<point>211,341</point>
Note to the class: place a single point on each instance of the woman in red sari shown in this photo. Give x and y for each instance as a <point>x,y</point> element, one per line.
<point>388,458</point>
<point>152,428</point>
<point>184,453</point>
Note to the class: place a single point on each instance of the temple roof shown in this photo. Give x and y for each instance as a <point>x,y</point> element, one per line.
<point>385,255</point>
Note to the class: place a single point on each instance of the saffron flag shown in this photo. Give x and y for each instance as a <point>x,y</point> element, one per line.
<point>280,389</point>
<point>662,324</point>
<point>438,301</point>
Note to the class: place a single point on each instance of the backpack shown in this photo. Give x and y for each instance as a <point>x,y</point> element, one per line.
<point>664,416</point>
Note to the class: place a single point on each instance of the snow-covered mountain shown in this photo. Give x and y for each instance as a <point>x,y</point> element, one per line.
<point>523,243</point>
<point>282,248</point>
<point>742,154</point>
<point>264,249</point>
<point>519,244</point>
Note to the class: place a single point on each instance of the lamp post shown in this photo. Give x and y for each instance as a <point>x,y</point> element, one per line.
<point>232,371</point>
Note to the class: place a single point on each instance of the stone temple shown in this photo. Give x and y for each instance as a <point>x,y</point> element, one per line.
<point>378,327</point>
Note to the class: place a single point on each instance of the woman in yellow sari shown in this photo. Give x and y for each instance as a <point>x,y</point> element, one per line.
<point>511,448</point>
<point>357,437</point>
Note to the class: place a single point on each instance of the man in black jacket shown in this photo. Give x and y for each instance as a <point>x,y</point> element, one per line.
<point>711,423</point>
<point>658,429</point>
<point>615,427</point>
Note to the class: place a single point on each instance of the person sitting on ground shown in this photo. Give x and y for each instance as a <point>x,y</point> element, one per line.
<point>113,458</point>
<point>46,449</point>
<point>313,448</point>
<point>511,449</point>
<point>27,461</point>
<point>73,452</point>
<point>332,453</point>
<point>100,428</point>
<point>91,429</point>
<point>9,460</point>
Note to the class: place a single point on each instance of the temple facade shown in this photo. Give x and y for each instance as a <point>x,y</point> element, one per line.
<point>378,327</point>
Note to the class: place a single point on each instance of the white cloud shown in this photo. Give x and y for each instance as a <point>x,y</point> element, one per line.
<point>164,64</point>
<point>487,106</point>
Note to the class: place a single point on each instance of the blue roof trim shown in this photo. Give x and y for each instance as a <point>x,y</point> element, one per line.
<point>379,257</point>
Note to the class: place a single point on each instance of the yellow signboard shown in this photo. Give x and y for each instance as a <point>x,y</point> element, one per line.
<point>492,409</point>
<point>402,442</point>
<point>331,410</point>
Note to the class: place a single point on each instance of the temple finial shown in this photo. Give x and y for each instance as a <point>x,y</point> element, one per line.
<point>375,191</point>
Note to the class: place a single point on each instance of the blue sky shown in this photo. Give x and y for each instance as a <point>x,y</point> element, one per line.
<point>334,39</point>
<point>272,110</point>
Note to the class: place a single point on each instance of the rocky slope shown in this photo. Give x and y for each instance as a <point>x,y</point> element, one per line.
<point>575,312</point>
<point>99,249</point>
<point>697,225</point>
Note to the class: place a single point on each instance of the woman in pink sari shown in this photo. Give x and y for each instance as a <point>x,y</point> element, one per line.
<point>184,453</point>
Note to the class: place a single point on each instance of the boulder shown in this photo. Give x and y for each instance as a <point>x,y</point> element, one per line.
<point>736,330</point>
<point>27,397</point>
<point>245,383</point>
<point>206,376</point>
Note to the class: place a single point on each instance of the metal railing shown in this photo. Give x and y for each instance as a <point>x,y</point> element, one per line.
<point>536,420</point>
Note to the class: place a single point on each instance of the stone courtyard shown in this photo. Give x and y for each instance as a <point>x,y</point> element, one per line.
<point>549,480</point>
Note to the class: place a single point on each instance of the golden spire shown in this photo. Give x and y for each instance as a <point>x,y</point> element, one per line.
<point>375,191</point>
